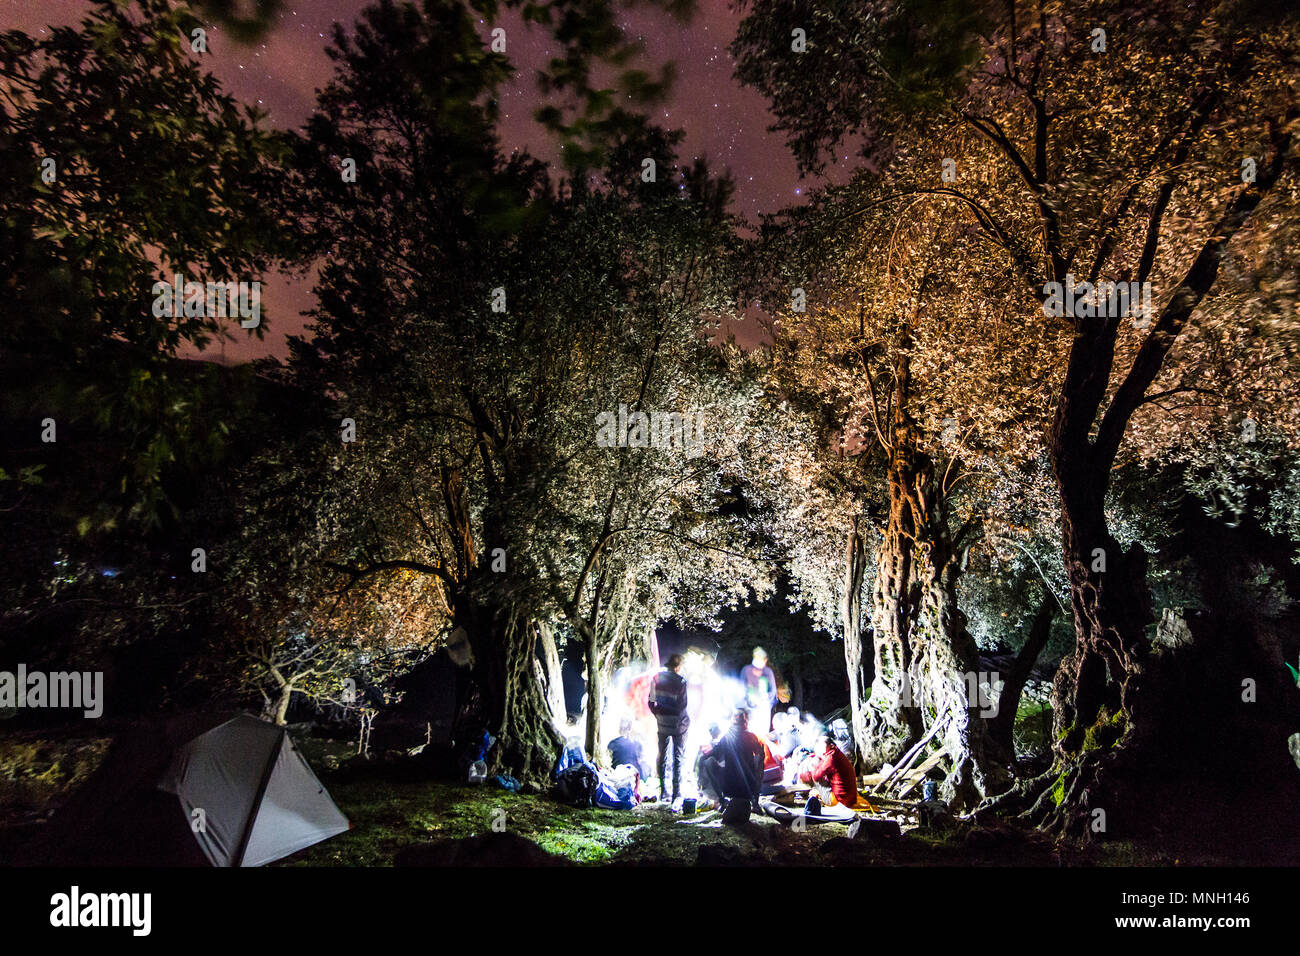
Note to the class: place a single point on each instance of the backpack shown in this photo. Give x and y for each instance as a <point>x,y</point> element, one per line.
<point>577,785</point>
<point>619,788</point>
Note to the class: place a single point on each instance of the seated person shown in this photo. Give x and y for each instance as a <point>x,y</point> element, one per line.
<point>624,750</point>
<point>738,763</point>
<point>831,769</point>
<point>785,735</point>
<point>773,769</point>
<point>707,768</point>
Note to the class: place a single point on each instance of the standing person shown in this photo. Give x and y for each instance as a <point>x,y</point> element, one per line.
<point>574,681</point>
<point>760,691</point>
<point>668,704</point>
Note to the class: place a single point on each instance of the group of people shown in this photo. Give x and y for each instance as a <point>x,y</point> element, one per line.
<point>738,765</point>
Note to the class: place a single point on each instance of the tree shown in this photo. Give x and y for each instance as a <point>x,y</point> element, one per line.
<point>632,534</point>
<point>464,330</point>
<point>896,301</point>
<point>123,163</point>
<point>1071,193</point>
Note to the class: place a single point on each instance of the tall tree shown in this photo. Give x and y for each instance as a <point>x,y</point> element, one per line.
<point>913,365</point>
<point>469,325</point>
<point>124,164</point>
<point>1044,95</point>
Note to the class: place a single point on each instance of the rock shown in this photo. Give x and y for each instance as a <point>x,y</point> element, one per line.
<point>874,830</point>
<point>935,813</point>
<point>988,839</point>
<point>490,849</point>
<point>844,851</point>
<point>1176,628</point>
<point>717,854</point>
<point>1293,743</point>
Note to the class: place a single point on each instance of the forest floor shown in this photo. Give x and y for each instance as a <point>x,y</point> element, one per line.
<point>411,822</point>
<point>400,817</point>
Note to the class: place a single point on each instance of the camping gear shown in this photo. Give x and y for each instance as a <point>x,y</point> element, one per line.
<point>812,813</point>
<point>254,795</point>
<point>576,778</point>
<point>577,785</point>
<point>617,789</point>
<point>478,771</point>
<point>688,805</point>
<point>474,752</point>
<point>570,755</point>
<point>506,782</point>
<point>259,800</point>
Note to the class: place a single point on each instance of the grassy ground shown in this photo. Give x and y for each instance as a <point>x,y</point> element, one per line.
<point>395,813</point>
<point>391,815</point>
<point>36,772</point>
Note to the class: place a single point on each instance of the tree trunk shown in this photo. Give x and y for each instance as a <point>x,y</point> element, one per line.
<point>282,705</point>
<point>945,676</point>
<point>858,664</point>
<point>926,662</point>
<point>515,709</point>
<point>549,677</point>
<point>1097,715</point>
<point>1097,695</point>
<point>595,692</point>
<point>892,724</point>
<point>1002,726</point>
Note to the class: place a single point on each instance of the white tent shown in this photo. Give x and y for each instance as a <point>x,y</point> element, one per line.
<point>249,795</point>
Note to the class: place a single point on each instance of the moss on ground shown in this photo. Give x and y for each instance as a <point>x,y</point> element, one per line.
<point>388,816</point>
<point>36,772</point>
<point>391,810</point>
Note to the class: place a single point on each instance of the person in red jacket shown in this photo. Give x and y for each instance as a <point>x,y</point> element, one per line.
<point>830,768</point>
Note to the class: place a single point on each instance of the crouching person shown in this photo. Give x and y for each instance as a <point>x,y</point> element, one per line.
<point>708,770</point>
<point>832,771</point>
<point>739,771</point>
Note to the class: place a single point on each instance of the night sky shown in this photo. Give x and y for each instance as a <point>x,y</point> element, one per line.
<point>723,120</point>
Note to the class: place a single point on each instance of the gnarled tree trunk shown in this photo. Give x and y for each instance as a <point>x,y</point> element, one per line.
<point>514,706</point>
<point>892,723</point>
<point>945,677</point>
<point>857,664</point>
<point>548,671</point>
